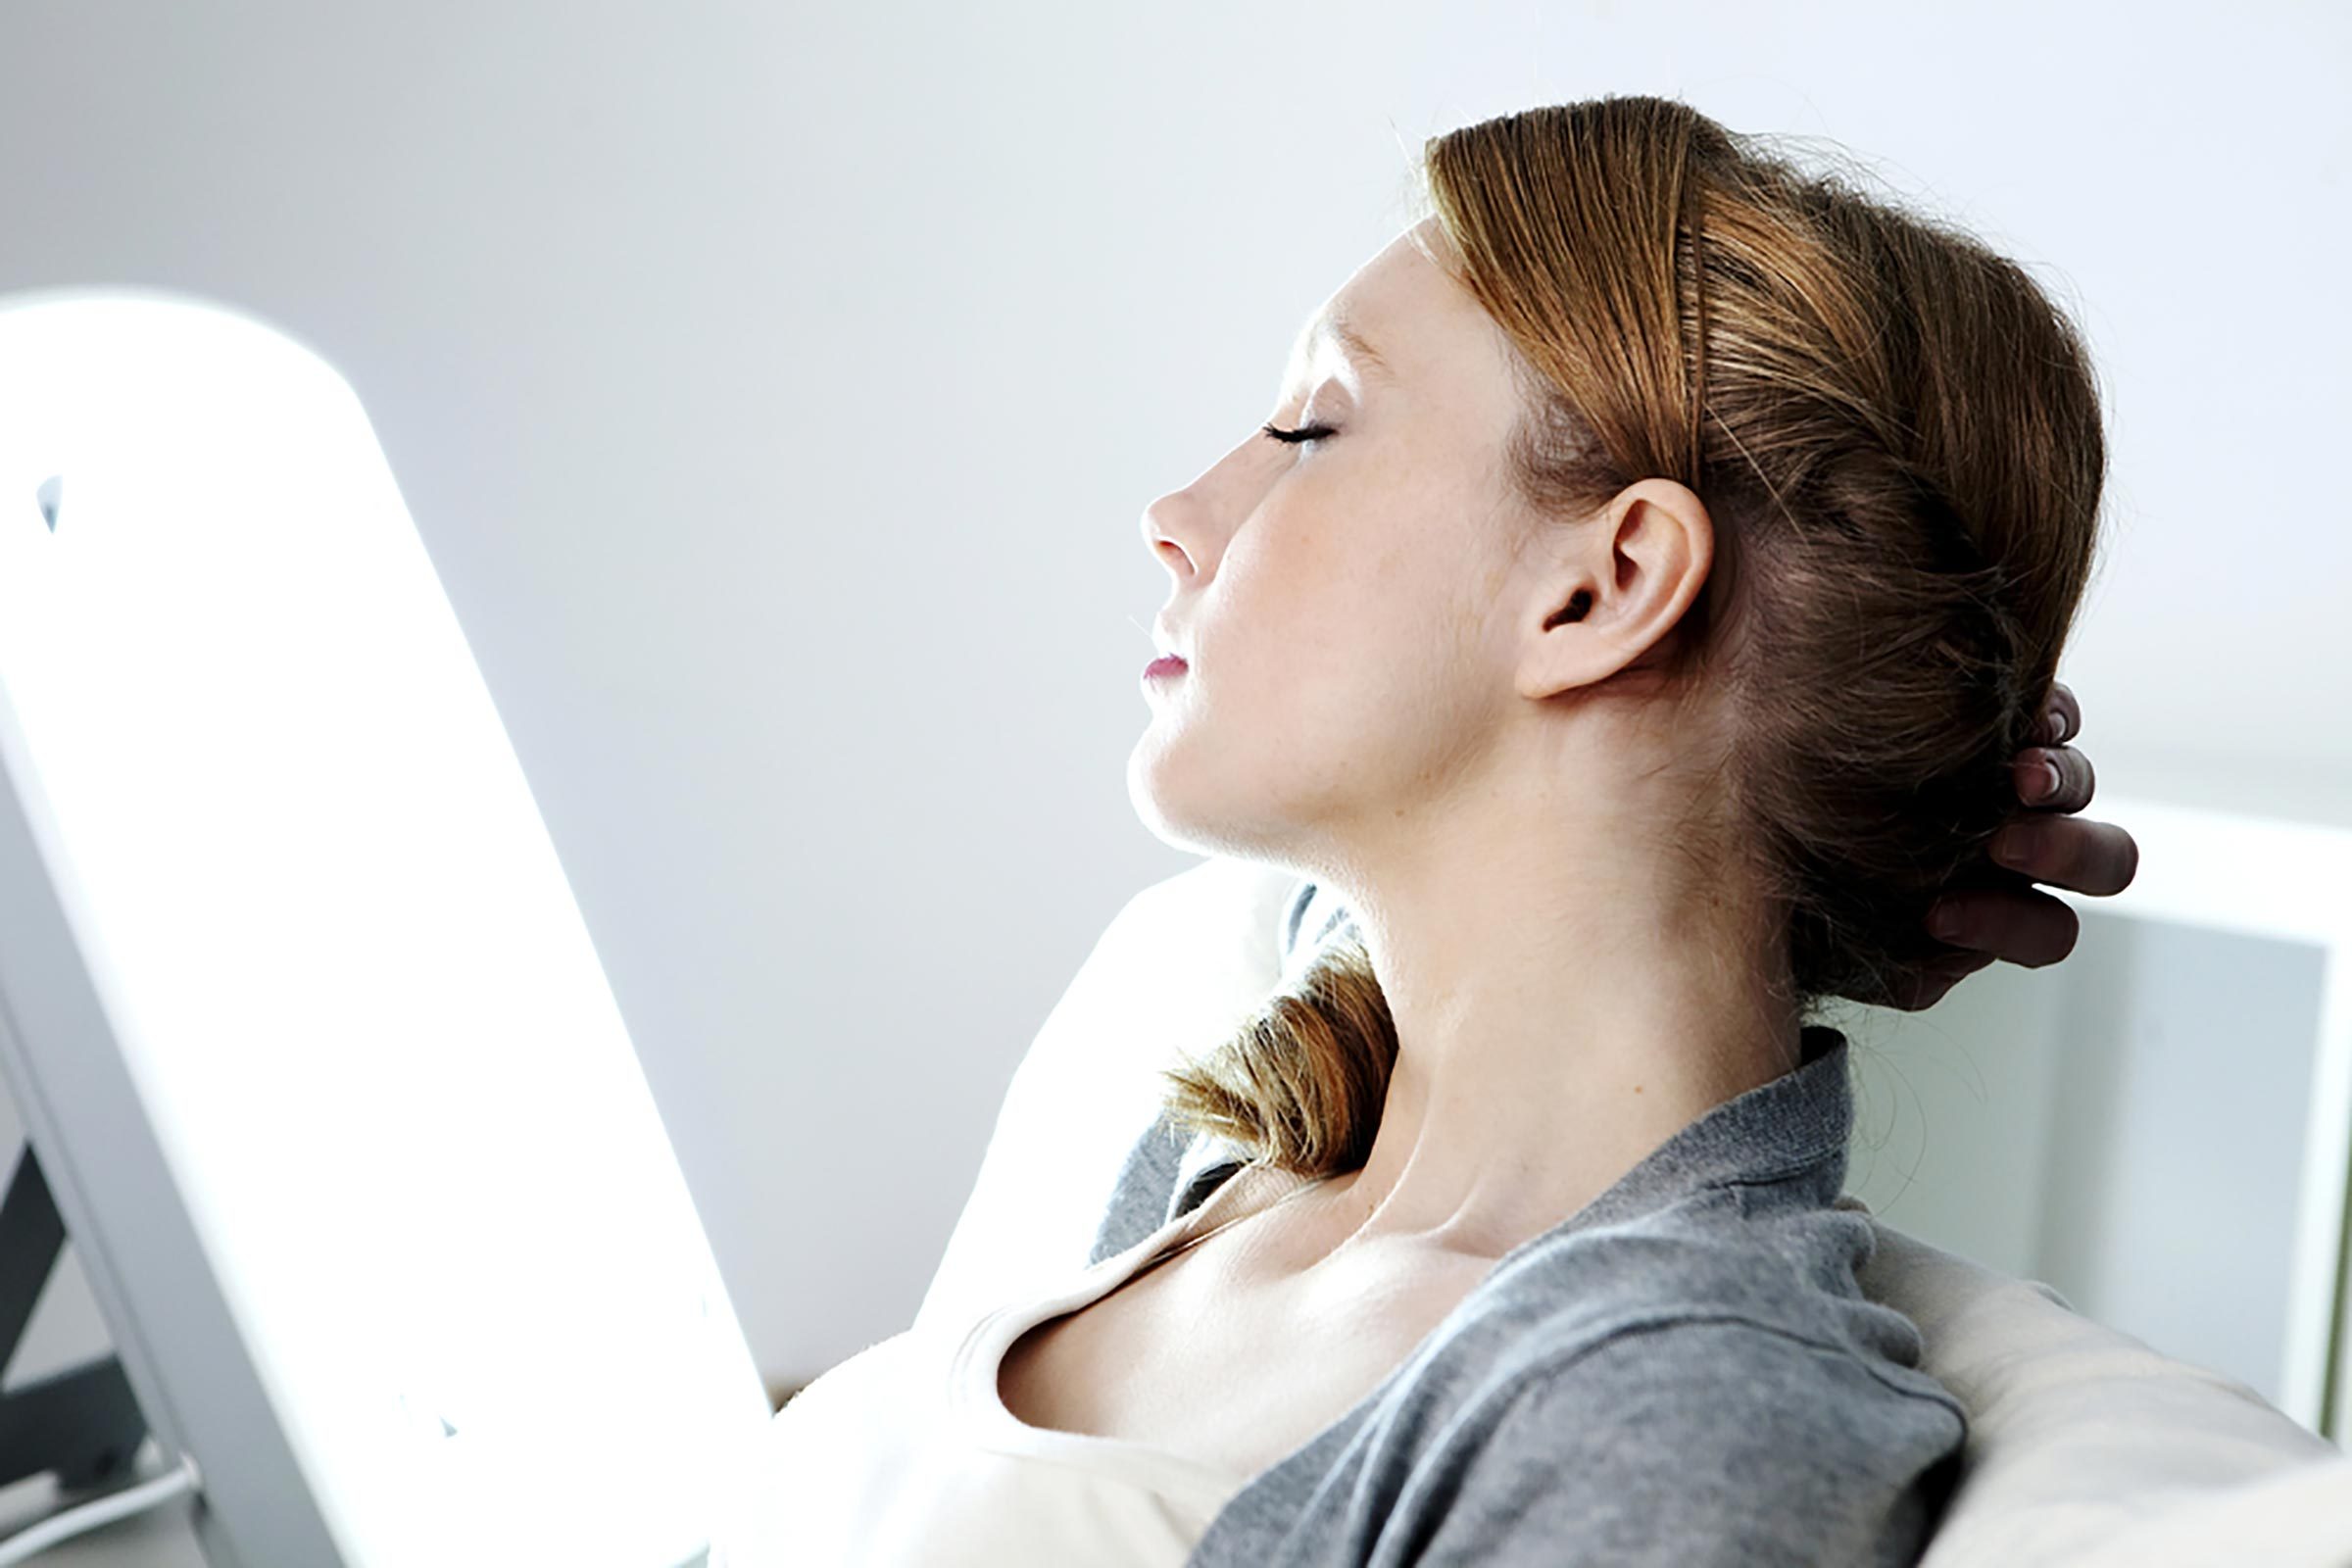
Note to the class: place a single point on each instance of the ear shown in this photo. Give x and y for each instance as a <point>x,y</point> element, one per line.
<point>1620,586</point>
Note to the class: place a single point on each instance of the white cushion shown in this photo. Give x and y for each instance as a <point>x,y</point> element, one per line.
<point>2086,1445</point>
<point>1178,969</point>
<point>2087,1448</point>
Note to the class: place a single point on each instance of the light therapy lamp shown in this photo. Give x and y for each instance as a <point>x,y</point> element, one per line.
<point>308,1034</point>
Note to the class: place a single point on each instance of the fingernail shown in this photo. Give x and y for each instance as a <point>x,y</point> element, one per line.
<point>2014,845</point>
<point>1943,922</point>
<point>2053,726</point>
<point>2042,781</point>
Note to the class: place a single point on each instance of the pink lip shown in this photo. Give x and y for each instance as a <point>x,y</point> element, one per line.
<point>1166,664</point>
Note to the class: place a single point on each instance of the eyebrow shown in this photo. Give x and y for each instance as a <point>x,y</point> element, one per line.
<point>1344,332</point>
<point>1359,347</point>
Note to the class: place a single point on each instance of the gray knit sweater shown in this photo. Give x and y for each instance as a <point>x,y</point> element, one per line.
<point>1682,1374</point>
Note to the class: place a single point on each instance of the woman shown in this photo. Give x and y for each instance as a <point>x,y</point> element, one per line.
<point>1657,564</point>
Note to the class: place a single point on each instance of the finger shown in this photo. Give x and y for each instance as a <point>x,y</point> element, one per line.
<point>2019,925</point>
<point>2100,858</point>
<point>2052,778</point>
<point>2061,718</point>
<point>1918,990</point>
<point>1926,984</point>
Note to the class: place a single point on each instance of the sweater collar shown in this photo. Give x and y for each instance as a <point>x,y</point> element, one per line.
<point>1797,1124</point>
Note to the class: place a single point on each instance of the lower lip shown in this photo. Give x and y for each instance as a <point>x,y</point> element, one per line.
<point>1169,665</point>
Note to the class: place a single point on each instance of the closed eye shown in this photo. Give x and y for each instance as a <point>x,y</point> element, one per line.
<point>1306,432</point>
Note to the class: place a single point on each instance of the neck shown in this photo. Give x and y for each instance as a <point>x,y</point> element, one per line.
<point>1558,1017</point>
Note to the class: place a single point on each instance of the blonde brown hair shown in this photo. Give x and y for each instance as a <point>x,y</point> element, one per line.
<point>1897,437</point>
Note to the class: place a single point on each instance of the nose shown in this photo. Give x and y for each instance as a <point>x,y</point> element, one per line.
<point>1158,537</point>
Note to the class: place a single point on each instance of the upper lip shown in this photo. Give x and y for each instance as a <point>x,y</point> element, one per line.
<point>1166,642</point>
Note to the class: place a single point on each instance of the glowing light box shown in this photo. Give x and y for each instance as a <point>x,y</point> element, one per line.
<point>310,1037</point>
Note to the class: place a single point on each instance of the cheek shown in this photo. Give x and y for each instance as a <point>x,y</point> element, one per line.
<point>1369,682</point>
<point>1347,631</point>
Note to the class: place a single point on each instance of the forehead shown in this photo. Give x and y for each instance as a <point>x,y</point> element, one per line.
<point>1369,321</point>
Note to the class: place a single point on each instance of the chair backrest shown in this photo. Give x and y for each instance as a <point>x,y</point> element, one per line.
<point>2086,1445</point>
<point>1186,961</point>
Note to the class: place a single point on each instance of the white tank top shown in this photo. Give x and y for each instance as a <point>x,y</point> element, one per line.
<point>905,1456</point>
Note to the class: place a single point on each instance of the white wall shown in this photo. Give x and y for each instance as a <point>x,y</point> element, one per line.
<point>777,391</point>
<point>2129,1127</point>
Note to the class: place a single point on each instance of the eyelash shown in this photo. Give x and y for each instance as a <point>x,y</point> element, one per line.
<point>1306,432</point>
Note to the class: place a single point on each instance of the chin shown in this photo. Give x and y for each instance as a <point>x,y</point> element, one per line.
<point>1147,791</point>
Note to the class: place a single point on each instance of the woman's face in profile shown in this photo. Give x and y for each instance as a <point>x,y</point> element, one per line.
<point>1344,604</point>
